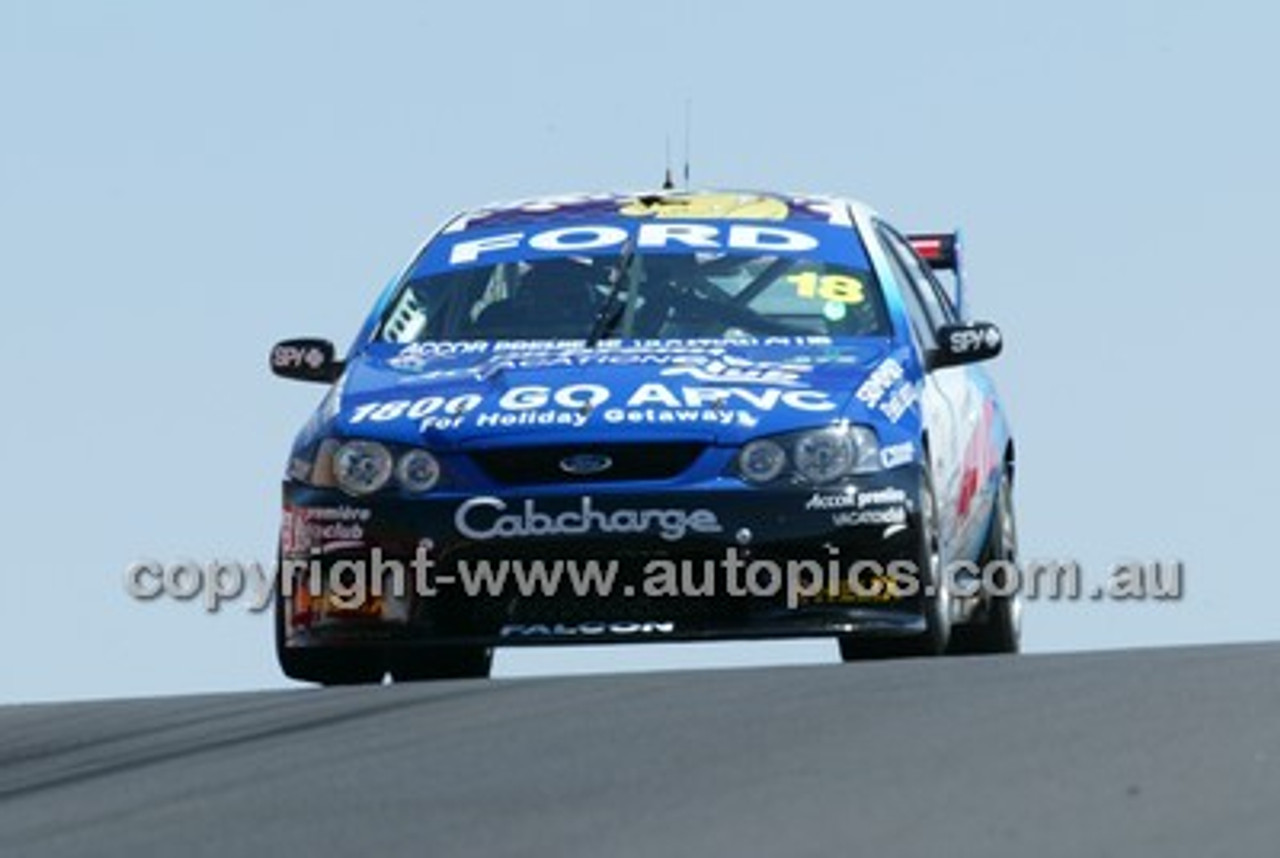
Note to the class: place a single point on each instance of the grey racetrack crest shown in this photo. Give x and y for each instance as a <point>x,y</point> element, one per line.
<point>1155,752</point>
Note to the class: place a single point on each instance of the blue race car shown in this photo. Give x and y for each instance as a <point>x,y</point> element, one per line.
<point>663,416</point>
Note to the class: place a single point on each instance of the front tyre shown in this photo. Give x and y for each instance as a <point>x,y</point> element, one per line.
<point>934,597</point>
<point>997,625</point>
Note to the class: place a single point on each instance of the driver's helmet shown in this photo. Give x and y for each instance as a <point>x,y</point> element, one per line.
<point>553,297</point>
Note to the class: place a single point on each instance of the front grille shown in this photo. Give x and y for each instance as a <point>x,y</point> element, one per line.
<point>523,466</point>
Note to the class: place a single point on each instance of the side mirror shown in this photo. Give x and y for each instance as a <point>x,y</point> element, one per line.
<point>306,359</point>
<point>967,343</point>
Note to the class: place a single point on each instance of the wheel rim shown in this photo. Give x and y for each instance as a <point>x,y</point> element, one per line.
<point>1009,554</point>
<point>941,593</point>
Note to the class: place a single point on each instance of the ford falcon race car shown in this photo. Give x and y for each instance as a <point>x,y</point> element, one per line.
<point>650,417</point>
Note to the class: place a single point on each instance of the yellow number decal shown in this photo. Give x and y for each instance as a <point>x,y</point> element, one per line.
<point>829,287</point>
<point>806,284</point>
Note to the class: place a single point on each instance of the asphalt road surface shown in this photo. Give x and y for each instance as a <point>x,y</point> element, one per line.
<point>1159,752</point>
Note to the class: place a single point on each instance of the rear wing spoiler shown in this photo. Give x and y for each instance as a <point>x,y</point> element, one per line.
<point>941,251</point>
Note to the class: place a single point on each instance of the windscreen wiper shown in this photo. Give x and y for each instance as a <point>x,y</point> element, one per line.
<point>611,310</point>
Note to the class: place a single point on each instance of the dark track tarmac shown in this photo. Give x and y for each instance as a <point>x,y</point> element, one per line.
<point>1153,752</point>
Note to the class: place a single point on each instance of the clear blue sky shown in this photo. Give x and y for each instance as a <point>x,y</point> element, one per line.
<point>179,187</point>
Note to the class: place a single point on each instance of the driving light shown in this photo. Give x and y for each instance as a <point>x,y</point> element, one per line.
<point>362,467</point>
<point>762,461</point>
<point>418,471</point>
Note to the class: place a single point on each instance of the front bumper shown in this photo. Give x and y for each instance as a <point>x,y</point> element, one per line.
<point>712,563</point>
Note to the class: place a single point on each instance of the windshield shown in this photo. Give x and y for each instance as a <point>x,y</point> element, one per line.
<point>660,280</point>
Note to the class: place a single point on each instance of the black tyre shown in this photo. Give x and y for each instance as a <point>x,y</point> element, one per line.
<point>420,664</point>
<point>935,600</point>
<point>327,665</point>
<point>996,626</point>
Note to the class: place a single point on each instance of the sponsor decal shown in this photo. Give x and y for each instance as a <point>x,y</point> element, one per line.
<point>852,498</point>
<point>415,356</point>
<point>574,419</point>
<point>678,205</point>
<point>691,345</point>
<point>522,209</point>
<point>652,416</point>
<point>845,500</point>
<point>591,238</point>
<point>583,397</point>
<point>728,369</point>
<point>897,454</point>
<point>420,409</point>
<point>529,239</point>
<point>880,497</point>
<point>973,339</point>
<point>544,354</point>
<point>884,507</point>
<point>573,405</point>
<point>877,384</point>
<point>588,629</point>
<point>894,515</point>
<point>485,518</point>
<point>899,401</point>
<point>323,529</point>
<point>721,399</point>
<point>293,357</point>
<point>887,390</point>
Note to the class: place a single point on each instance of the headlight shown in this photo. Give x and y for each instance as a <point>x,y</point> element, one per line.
<point>823,456</point>
<point>866,450</point>
<point>362,467</point>
<point>418,471</point>
<point>814,457</point>
<point>762,461</point>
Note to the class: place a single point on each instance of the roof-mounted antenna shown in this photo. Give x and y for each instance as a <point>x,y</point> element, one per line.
<point>668,183</point>
<point>688,135</point>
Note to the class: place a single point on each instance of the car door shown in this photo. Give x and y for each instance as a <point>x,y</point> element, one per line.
<point>952,405</point>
